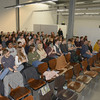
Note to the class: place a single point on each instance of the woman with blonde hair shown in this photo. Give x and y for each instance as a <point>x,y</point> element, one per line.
<point>20,58</point>
<point>43,54</point>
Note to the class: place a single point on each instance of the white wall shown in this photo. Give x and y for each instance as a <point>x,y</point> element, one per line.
<point>28,17</point>
<point>7,16</point>
<point>88,26</point>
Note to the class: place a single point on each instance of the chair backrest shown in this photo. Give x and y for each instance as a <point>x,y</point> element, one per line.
<point>59,82</point>
<point>98,56</point>
<point>52,64</point>
<point>95,58</point>
<point>3,98</point>
<point>69,75</point>
<point>90,60</point>
<point>29,98</point>
<point>61,63</point>
<point>42,68</point>
<point>47,96</point>
<point>68,57</point>
<point>77,69</point>
<point>78,51</point>
<point>84,64</point>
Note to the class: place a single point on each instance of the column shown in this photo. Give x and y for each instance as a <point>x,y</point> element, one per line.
<point>70,27</point>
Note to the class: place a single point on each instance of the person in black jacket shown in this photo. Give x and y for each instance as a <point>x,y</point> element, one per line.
<point>64,47</point>
<point>60,32</point>
<point>90,47</point>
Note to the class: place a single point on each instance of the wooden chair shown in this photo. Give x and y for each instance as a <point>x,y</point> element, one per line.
<point>3,98</point>
<point>52,66</point>
<point>74,85</point>
<point>36,84</point>
<point>78,51</point>
<point>89,73</point>
<point>96,61</point>
<point>19,93</point>
<point>91,63</point>
<point>42,68</point>
<point>62,93</point>
<point>68,57</point>
<point>82,78</point>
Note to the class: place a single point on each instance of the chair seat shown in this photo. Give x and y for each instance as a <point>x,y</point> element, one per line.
<point>91,73</point>
<point>19,93</point>
<point>78,87</point>
<point>95,69</point>
<point>36,84</point>
<point>84,79</point>
<point>3,98</point>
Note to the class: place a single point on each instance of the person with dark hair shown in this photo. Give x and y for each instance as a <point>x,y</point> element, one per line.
<point>90,46</point>
<point>22,40</point>
<point>64,47</point>
<point>33,56</point>
<point>85,51</point>
<point>11,49</point>
<point>77,43</point>
<point>81,40</point>
<point>57,48</point>
<point>8,63</point>
<point>50,50</point>
<point>60,32</point>
<point>44,43</point>
<point>85,38</point>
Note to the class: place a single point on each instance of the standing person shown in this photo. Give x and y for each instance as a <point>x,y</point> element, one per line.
<point>60,32</point>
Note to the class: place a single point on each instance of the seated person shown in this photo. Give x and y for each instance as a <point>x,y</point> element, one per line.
<point>77,43</point>
<point>81,40</point>
<point>8,63</point>
<point>11,49</point>
<point>85,51</point>
<point>64,47</point>
<point>50,50</point>
<point>57,48</point>
<point>90,47</point>
<point>97,47</point>
<point>20,58</point>
<point>42,53</point>
<point>1,54</point>
<point>71,48</point>
<point>33,57</point>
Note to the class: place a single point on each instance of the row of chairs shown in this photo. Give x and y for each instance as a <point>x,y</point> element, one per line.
<point>68,71</point>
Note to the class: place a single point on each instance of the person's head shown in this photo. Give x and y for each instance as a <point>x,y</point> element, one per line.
<point>40,46</point>
<point>69,41</point>
<point>81,38</point>
<point>64,41</point>
<point>32,48</point>
<point>85,42</point>
<point>60,29</point>
<point>85,38</point>
<point>50,44</point>
<point>19,44</point>
<point>98,42</point>
<point>20,54</point>
<point>6,53</point>
<point>3,38</point>
<point>37,41</point>
<point>6,38</point>
<point>21,35</point>
<point>89,43</point>
<point>57,42</point>
<point>77,38</point>
<point>10,45</point>
<point>44,40</point>
<point>0,46</point>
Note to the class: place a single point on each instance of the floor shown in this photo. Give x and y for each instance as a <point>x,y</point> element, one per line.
<point>90,92</point>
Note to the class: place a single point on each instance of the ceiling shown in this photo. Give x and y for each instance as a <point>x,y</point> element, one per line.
<point>82,6</point>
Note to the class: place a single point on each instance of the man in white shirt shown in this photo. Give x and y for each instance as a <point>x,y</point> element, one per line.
<point>11,49</point>
<point>22,40</point>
